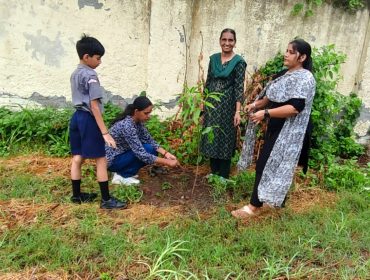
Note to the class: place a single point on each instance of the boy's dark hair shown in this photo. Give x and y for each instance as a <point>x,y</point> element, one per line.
<point>89,45</point>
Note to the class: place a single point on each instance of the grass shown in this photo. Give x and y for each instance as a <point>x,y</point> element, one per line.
<point>331,242</point>
<point>40,230</point>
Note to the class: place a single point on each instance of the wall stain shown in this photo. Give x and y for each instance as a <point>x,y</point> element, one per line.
<point>40,45</point>
<point>50,101</point>
<point>182,37</point>
<point>91,3</point>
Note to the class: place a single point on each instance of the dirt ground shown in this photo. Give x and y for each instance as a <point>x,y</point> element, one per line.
<point>166,197</point>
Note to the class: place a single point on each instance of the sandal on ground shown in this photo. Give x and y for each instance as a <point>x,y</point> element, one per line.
<point>243,212</point>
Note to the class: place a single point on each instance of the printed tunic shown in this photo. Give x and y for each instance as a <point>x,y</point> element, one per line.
<point>279,168</point>
<point>130,135</point>
<point>221,118</point>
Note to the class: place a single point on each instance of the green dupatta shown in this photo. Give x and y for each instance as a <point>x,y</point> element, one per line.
<point>218,70</point>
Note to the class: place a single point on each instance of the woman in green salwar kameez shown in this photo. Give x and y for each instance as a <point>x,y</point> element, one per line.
<point>226,72</point>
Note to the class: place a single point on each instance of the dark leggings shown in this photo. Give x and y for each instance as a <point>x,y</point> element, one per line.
<point>254,198</point>
<point>270,140</point>
<point>220,167</point>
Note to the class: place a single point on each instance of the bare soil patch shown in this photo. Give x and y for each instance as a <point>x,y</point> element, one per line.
<point>165,197</point>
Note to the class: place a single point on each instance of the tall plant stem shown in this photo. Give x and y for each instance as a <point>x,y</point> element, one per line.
<point>197,166</point>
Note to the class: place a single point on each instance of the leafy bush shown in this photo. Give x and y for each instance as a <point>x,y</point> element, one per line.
<point>46,126</point>
<point>307,7</point>
<point>128,193</point>
<point>186,129</point>
<point>346,175</point>
<point>273,66</point>
<point>237,186</point>
<point>159,131</point>
<point>111,111</point>
<point>32,126</point>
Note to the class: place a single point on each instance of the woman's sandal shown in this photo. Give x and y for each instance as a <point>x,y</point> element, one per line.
<point>243,213</point>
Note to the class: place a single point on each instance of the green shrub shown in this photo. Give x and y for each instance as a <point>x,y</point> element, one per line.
<point>346,175</point>
<point>237,186</point>
<point>307,7</point>
<point>47,126</point>
<point>128,193</point>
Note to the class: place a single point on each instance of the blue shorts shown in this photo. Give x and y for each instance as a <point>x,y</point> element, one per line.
<point>85,136</point>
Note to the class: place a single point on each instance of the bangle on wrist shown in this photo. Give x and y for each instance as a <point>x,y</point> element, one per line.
<point>267,114</point>
<point>105,133</point>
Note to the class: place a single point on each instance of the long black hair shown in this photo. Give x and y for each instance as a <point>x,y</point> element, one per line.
<point>140,104</point>
<point>303,47</point>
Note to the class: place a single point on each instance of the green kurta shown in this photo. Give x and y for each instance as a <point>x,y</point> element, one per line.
<point>221,118</point>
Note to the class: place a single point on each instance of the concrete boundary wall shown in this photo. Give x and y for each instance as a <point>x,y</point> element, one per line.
<point>153,45</point>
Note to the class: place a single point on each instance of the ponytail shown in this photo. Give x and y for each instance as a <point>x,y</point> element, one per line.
<point>140,104</point>
<point>307,64</point>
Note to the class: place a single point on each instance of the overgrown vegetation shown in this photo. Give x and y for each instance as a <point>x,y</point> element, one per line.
<point>307,7</point>
<point>35,126</point>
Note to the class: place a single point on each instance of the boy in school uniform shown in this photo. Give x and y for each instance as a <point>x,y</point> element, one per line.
<point>88,133</point>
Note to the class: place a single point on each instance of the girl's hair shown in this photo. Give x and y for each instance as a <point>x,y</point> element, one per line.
<point>232,31</point>
<point>140,104</point>
<point>303,47</point>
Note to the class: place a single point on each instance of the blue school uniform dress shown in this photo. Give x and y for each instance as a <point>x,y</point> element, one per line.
<point>85,136</point>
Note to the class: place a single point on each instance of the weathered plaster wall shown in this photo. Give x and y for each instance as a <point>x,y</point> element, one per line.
<point>37,45</point>
<point>167,49</point>
<point>363,86</point>
<point>153,45</point>
<point>264,27</point>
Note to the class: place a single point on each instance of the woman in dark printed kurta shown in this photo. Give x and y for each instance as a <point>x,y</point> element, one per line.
<point>226,73</point>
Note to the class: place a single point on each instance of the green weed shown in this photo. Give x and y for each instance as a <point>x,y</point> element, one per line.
<point>346,175</point>
<point>128,193</point>
<point>163,267</point>
<point>29,187</point>
<point>237,186</point>
<point>166,186</point>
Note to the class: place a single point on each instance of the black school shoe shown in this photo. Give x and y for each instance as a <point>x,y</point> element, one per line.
<point>113,203</point>
<point>84,197</point>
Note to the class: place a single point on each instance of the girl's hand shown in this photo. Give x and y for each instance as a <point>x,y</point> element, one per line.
<point>250,107</point>
<point>168,155</point>
<point>109,140</point>
<point>172,163</point>
<point>257,117</point>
